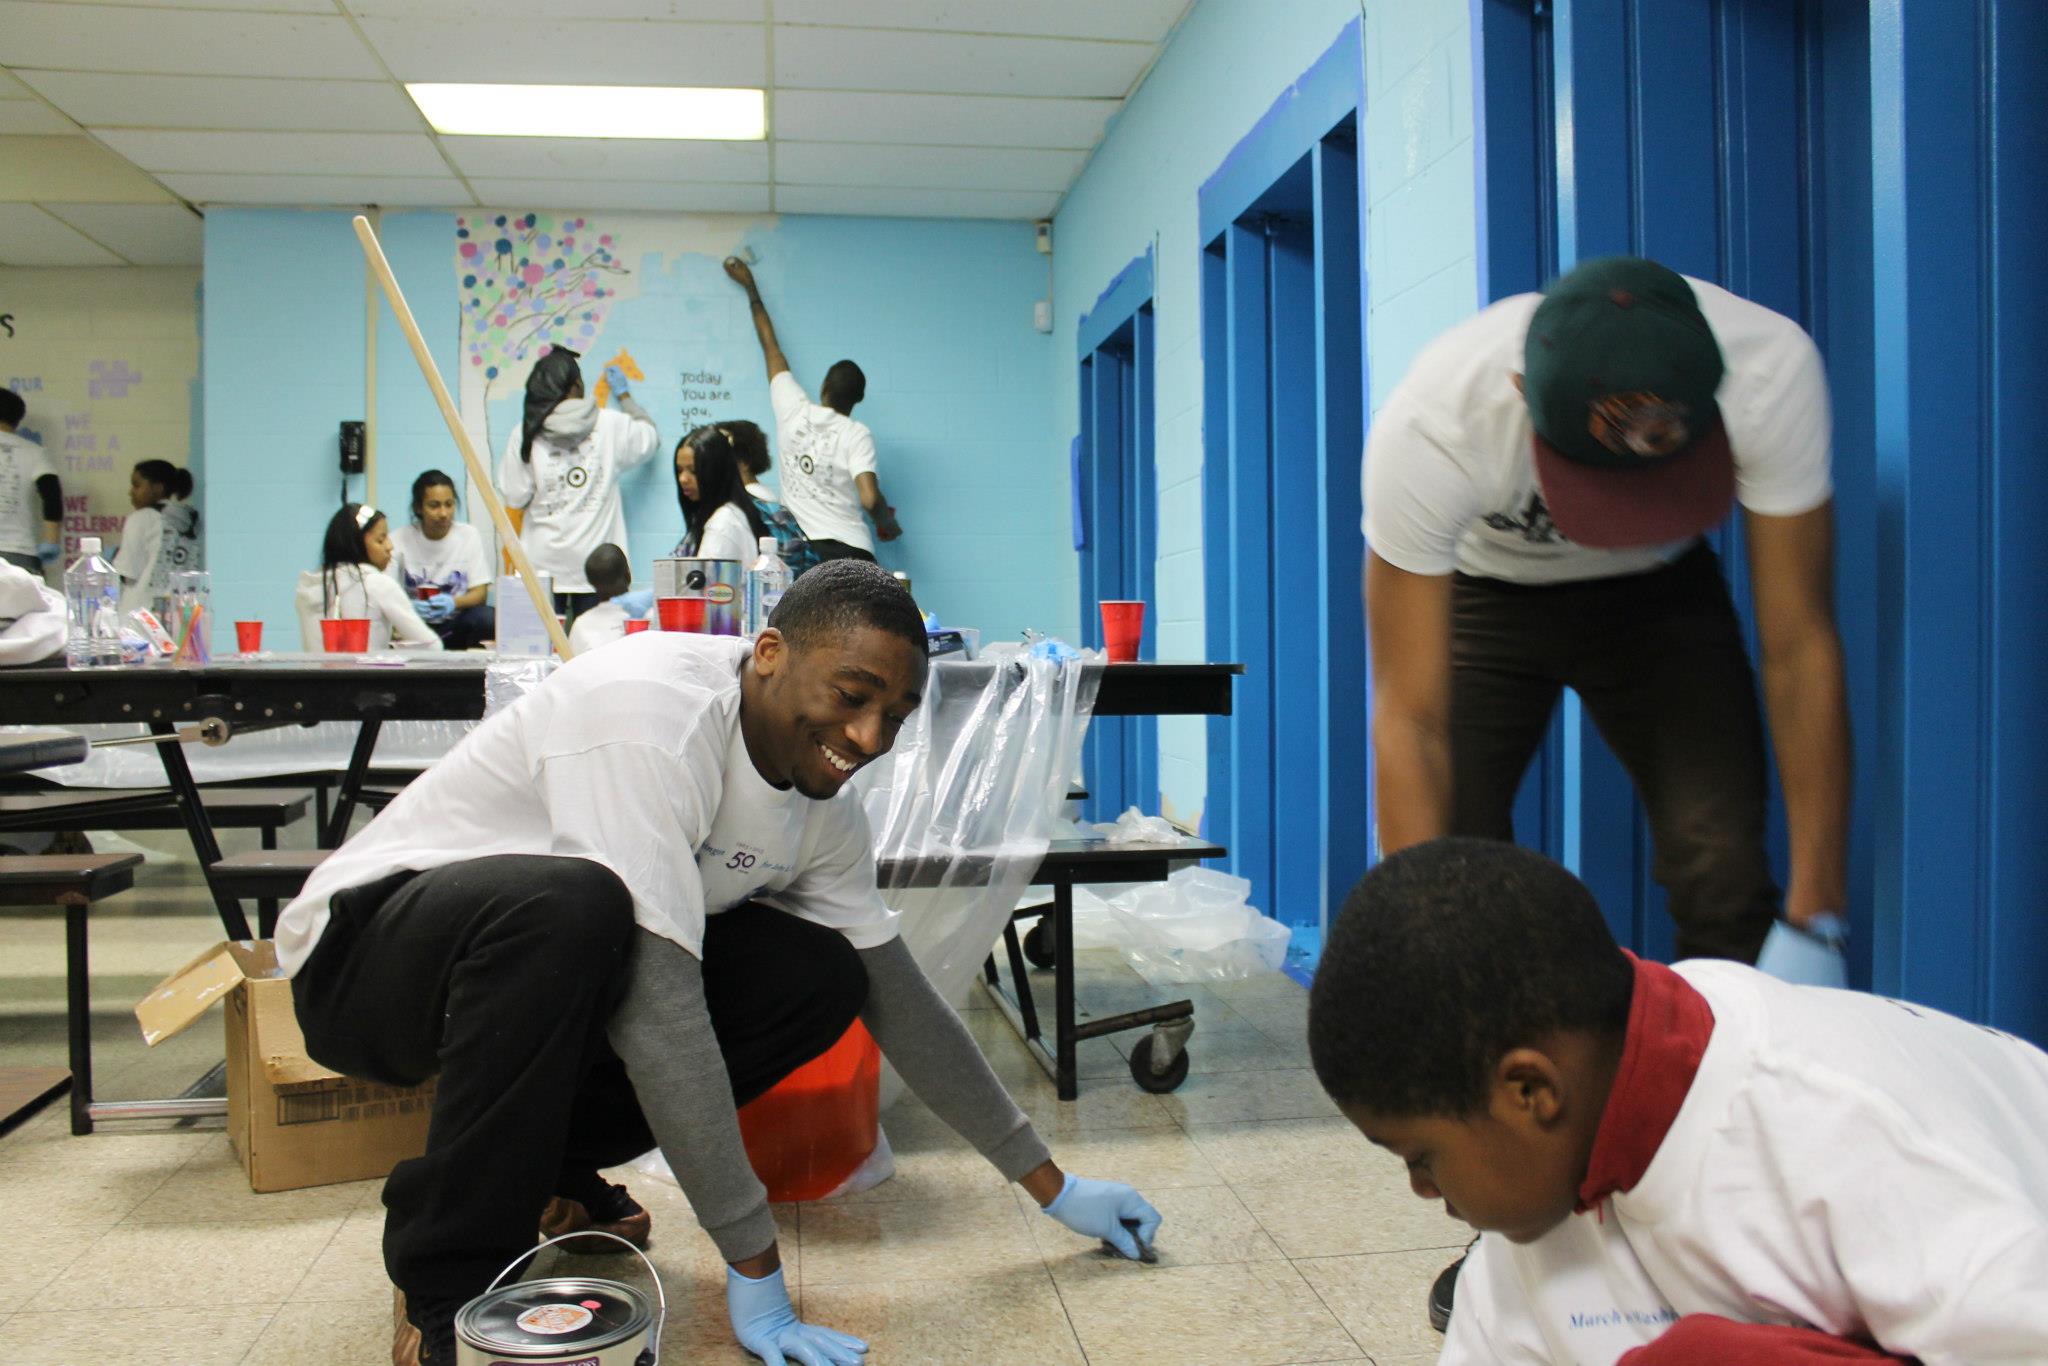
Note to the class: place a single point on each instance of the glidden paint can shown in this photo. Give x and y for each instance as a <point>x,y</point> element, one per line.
<point>706,594</point>
<point>561,1320</point>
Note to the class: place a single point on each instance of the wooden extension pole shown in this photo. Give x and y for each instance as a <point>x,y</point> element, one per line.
<point>479,476</point>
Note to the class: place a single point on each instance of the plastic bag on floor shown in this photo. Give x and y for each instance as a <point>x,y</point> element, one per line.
<point>1196,926</point>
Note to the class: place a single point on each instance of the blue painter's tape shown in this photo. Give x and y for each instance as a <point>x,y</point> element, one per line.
<point>1333,87</point>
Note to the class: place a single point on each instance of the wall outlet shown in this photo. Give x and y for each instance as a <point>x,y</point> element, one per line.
<point>1041,315</point>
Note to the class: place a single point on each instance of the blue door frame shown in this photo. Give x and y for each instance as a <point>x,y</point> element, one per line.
<point>1283,424</point>
<point>1879,172</point>
<point>1116,469</point>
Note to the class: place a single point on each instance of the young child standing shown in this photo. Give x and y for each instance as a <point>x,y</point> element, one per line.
<point>351,582</point>
<point>1680,1166</point>
<point>609,576</point>
<point>441,564</point>
<point>161,535</point>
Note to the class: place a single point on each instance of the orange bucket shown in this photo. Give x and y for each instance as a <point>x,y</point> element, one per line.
<point>816,1126</point>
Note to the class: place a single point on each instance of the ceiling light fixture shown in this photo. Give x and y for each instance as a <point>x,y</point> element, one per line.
<point>700,113</point>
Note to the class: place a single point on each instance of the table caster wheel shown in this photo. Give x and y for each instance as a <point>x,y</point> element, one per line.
<point>1038,946</point>
<point>1157,1082</point>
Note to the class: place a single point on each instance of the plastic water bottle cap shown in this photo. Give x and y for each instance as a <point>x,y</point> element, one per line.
<point>89,545</point>
<point>768,546</point>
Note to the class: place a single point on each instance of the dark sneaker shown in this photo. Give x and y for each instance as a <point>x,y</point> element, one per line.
<point>1441,1293</point>
<point>423,1335</point>
<point>601,1208</point>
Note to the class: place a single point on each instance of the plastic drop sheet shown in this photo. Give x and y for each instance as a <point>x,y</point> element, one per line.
<point>292,749</point>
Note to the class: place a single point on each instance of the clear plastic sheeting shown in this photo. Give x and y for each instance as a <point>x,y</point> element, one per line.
<point>1133,827</point>
<point>318,748</point>
<point>1197,926</point>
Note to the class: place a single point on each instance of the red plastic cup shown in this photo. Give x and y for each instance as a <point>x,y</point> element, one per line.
<point>424,591</point>
<point>355,635</point>
<point>635,625</point>
<point>681,614</point>
<point>249,636</point>
<point>331,638</point>
<point>1122,623</point>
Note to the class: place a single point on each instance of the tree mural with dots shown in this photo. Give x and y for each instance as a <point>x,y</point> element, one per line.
<point>530,282</point>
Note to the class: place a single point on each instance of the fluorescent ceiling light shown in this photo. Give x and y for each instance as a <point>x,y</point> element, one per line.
<point>594,111</point>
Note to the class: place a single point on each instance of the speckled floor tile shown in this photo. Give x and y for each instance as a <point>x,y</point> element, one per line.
<point>1152,1159</point>
<point>915,1240</point>
<point>1237,1048</point>
<point>212,1187</point>
<point>139,1266</point>
<point>1245,1314</point>
<point>191,1335</point>
<point>326,1333</point>
<point>1374,1212</point>
<point>31,1259</point>
<point>1381,1299</point>
<point>1270,1151</point>
<point>349,1266</point>
<point>1232,1097</point>
<point>1010,1319</point>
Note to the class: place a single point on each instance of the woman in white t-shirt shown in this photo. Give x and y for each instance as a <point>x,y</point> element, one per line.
<point>441,564</point>
<point>563,467</point>
<point>351,583</point>
<point>160,536</point>
<point>720,522</point>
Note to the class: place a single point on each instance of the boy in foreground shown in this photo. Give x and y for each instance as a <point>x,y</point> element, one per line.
<point>1680,1166</point>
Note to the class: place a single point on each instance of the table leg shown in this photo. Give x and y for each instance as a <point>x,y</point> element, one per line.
<point>1027,1009</point>
<point>1065,1072</point>
<point>352,782</point>
<point>200,827</point>
<point>78,1007</point>
<point>266,907</point>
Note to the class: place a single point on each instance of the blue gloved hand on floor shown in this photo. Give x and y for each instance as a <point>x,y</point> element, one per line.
<point>766,1324</point>
<point>1107,1210</point>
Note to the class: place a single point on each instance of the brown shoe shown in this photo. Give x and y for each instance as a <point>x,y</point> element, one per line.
<point>405,1339</point>
<point>612,1211</point>
<point>411,1347</point>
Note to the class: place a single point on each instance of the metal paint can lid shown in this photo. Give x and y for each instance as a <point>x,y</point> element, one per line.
<point>557,1318</point>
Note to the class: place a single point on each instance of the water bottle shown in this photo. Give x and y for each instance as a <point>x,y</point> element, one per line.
<point>92,603</point>
<point>767,581</point>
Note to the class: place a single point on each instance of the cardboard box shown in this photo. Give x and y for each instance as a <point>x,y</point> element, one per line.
<point>292,1122</point>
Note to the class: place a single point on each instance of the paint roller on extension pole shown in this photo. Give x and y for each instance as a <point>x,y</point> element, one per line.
<point>479,476</point>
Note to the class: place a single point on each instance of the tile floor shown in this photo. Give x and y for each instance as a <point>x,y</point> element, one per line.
<point>1288,1239</point>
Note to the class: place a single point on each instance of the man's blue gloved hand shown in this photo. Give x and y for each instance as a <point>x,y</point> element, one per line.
<point>48,551</point>
<point>440,607</point>
<point>616,378</point>
<point>637,603</point>
<point>1108,1210</point>
<point>766,1324</point>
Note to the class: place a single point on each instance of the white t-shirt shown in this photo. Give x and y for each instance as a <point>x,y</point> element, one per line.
<point>595,626</point>
<point>358,591</point>
<point>630,756</point>
<point>455,564</point>
<point>1450,477</point>
<point>820,452</point>
<point>728,535</point>
<point>22,462</point>
<point>142,538</point>
<point>571,496</point>
<point>1842,1162</point>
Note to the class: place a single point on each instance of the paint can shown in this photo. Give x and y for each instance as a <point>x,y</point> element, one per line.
<point>706,594</point>
<point>562,1320</point>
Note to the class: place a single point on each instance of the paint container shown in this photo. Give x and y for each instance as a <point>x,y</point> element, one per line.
<point>715,584</point>
<point>562,1320</point>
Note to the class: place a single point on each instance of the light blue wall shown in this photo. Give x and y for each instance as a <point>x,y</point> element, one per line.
<point>937,312</point>
<point>1227,64</point>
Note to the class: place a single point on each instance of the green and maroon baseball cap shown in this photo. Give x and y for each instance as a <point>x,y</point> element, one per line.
<point>1619,370</point>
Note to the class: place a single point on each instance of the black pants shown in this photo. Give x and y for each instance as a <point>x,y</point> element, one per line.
<point>499,974</point>
<point>468,628</point>
<point>840,550</point>
<point>1658,660</point>
<point>35,566</point>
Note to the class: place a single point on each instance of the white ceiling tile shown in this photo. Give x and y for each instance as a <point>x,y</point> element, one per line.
<point>179,42</point>
<point>608,159</point>
<point>700,11</point>
<point>11,88</point>
<point>623,194</point>
<point>875,202</point>
<point>1140,21</point>
<point>942,168</point>
<point>302,6</point>
<point>30,237</point>
<point>950,63</point>
<point>71,170</point>
<point>570,53</point>
<point>957,120</point>
<point>100,100</point>
<point>33,117</point>
<point>377,154</point>
<point>290,190</point>
<point>146,234</point>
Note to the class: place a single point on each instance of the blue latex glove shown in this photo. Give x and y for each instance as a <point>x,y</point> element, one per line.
<point>440,607</point>
<point>48,551</point>
<point>1108,1210</point>
<point>637,603</point>
<point>766,1324</point>
<point>1809,955</point>
<point>616,378</point>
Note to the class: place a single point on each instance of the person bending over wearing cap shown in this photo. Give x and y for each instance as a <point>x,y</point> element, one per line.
<point>1699,1166</point>
<point>1535,493</point>
<point>623,906</point>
